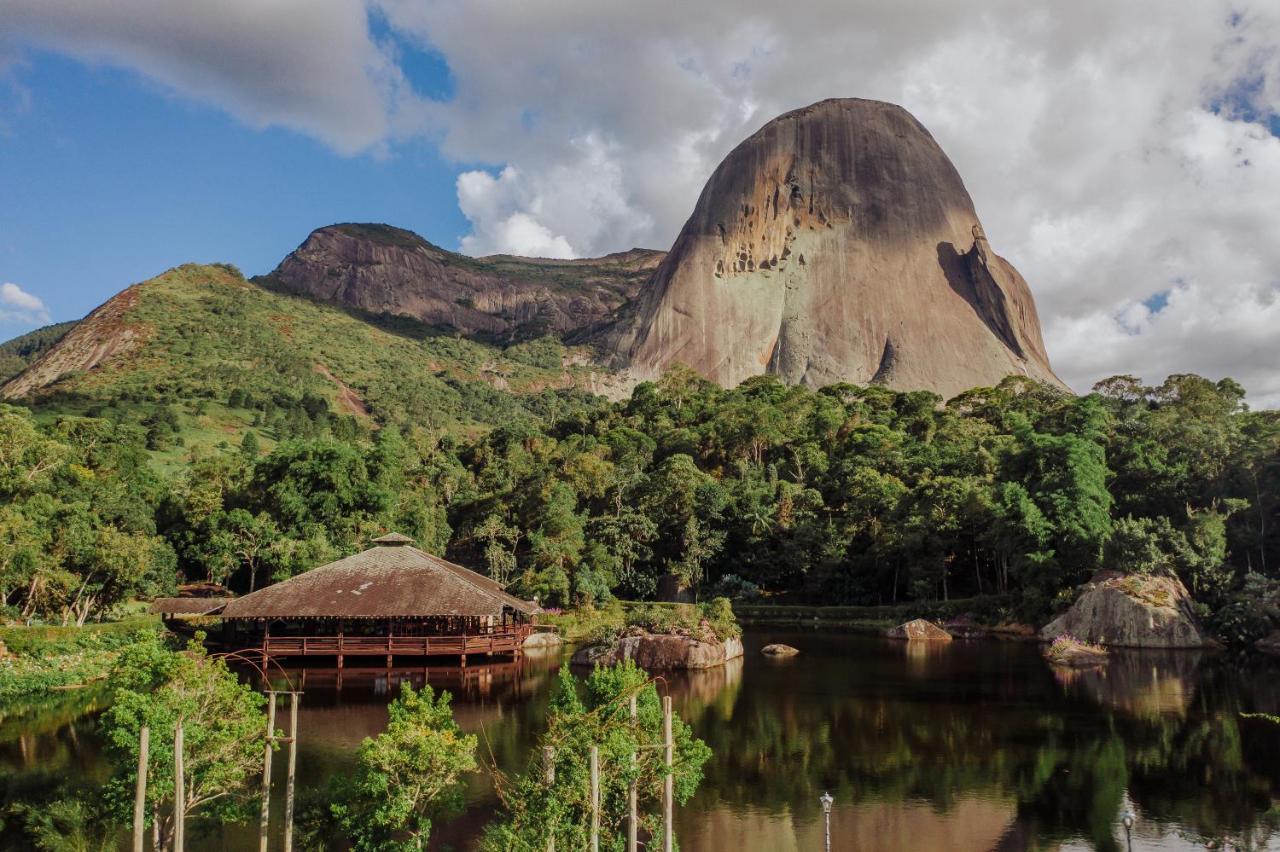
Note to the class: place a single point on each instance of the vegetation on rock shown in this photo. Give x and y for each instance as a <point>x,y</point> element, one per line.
<point>1066,650</point>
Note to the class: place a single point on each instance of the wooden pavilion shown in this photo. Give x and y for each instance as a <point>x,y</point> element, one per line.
<point>392,600</point>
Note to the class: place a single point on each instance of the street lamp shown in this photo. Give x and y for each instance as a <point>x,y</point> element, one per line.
<point>826,800</point>
<point>1127,818</point>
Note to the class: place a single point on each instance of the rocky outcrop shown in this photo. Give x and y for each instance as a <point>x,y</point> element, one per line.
<point>384,270</point>
<point>1131,611</point>
<point>543,639</point>
<point>661,652</point>
<point>836,244</point>
<point>779,650</point>
<point>919,630</point>
<point>103,335</point>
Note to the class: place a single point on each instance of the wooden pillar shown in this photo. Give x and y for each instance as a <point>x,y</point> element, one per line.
<point>668,783</point>
<point>179,792</point>
<point>140,791</point>
<point>293,766</point>
<point>266,635</point>
<point>265,818</point>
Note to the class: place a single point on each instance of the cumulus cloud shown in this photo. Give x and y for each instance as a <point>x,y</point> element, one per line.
<point>19,306</point>
<point>584,196</point>
<point>1115,151</point>
<point>308,65</point>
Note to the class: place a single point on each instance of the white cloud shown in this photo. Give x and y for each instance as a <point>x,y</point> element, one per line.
<point>308,65</point>
<point>19,306</point>
<point>1114,150</point>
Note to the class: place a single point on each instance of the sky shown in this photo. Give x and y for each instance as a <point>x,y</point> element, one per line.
<point>1124,156</point>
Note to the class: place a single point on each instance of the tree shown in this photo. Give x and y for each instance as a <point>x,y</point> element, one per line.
<point>249,446</point>
<point>582,715</point>
<point>250,538</point>
<point>224,732</point>
<point>406,775</point>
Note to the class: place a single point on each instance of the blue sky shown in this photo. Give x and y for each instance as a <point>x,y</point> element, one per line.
<point>107,179</point>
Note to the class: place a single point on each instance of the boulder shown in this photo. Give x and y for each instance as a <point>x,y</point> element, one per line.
<point>661,652</point>
<point>778,650</point>
<point>1134,611</point>
<point>919,630</point>
<point>543,639</point>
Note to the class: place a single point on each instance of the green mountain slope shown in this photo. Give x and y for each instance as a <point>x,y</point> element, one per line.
<point>202,355</point>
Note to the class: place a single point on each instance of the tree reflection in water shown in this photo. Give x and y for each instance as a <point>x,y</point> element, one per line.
<point>961,746</point>
<point>888,726</point>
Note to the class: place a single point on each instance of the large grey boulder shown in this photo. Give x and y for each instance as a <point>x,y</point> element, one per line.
<point>661,652</point>
<point>1134,611</point>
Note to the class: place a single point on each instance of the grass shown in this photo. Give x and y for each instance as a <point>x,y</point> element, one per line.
<point>1141,589</point>
<point>1067,650</point>
<point>47,659</point>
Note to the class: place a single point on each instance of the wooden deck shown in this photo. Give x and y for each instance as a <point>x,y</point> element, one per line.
<point>502,642</point>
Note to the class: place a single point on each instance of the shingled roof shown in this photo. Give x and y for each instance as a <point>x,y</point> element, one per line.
<point>391,580</point>
<point>188,606</point>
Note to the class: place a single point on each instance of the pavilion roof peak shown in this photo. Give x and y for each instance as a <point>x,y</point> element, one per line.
<point>394,539</point>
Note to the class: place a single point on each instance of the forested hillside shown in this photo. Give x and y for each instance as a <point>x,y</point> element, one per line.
<point>847,494</point>
<point>198,357</point>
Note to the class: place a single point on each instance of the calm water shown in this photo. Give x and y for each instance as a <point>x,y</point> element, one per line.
<point>968,746</point>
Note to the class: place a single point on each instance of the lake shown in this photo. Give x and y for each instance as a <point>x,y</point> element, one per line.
<point>960,746</point>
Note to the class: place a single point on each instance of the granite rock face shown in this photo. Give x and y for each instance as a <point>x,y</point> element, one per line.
<point>386,270</point>
<point>1132,611</point>
<point>837,244</point>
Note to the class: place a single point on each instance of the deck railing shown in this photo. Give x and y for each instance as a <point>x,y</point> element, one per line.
<point>407,646</point>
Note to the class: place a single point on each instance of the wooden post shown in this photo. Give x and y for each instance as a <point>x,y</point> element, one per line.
<point>266,773</point>
<point>668,783</point>
<point>549,770</point>
<point>293,765</point>
<point>140,793</point>
<point>633,818</point>
<point>179,791</point>
<point>595,799</point>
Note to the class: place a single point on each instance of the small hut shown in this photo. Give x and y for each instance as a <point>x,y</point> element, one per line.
<point>391,600</point>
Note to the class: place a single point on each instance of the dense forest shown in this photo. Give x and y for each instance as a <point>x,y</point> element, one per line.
<point>764,492</point>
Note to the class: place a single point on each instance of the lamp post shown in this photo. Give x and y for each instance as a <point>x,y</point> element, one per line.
<point>826,800</point>
<point>1127,818</point>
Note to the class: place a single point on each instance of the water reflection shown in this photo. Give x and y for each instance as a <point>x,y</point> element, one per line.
<point>960,746</point>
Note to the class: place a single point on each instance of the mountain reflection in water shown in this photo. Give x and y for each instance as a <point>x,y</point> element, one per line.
<point>959,746</point>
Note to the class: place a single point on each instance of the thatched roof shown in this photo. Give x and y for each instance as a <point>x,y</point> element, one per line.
<point>393,579</point>
<point>188,606</point>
